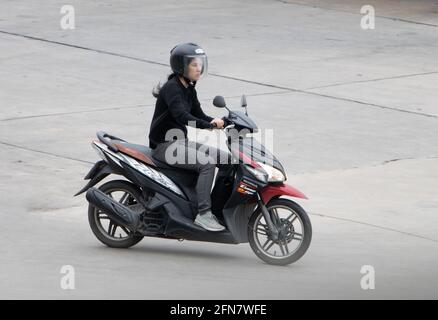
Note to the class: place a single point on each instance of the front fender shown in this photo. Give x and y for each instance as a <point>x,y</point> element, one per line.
<point>271,191</point>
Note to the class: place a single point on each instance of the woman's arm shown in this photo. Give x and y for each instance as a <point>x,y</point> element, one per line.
<point>175,102</point>
<point>198,112</point>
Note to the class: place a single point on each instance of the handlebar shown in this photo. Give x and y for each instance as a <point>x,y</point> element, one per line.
<point>227,123</point>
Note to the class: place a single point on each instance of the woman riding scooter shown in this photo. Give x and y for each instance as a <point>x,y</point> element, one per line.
<point>177,106</point>
<point>158,200</point>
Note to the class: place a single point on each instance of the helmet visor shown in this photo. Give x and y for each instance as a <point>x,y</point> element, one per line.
<point>195,67</point>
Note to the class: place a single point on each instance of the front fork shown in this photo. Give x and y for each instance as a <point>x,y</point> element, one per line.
<point>272,229</point>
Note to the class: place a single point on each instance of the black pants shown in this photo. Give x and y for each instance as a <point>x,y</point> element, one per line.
<point>196,157</point>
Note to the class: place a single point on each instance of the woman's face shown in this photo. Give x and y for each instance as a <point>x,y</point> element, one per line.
<point>194,69</point>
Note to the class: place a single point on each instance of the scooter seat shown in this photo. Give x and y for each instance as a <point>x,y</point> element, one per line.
<point>142,153</point>
<point>183,178</point>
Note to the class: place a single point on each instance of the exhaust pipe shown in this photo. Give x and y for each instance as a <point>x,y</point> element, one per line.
<point>116,211</point>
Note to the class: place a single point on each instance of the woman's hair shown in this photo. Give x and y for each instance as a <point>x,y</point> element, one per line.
<point>156,89</point>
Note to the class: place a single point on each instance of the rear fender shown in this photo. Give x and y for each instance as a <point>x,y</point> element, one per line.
<point>100,170</point>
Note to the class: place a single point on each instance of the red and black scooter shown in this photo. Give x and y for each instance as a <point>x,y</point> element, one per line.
<point>160,201</point>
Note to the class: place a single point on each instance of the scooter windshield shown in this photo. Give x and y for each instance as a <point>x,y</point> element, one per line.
<point>252,148</point>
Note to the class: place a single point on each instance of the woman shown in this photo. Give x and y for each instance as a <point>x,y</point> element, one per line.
<point>177,106</point>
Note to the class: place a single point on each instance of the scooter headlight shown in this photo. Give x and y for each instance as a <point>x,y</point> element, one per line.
<point>274,175</point>
<point>259,173</point>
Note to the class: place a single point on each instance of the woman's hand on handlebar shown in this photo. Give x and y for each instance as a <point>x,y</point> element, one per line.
<point>217,123</point>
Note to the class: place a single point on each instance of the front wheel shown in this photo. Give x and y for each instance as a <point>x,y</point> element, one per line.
<point>295,233</point>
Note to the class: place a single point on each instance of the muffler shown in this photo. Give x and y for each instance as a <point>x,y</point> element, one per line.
<point>121,214</point>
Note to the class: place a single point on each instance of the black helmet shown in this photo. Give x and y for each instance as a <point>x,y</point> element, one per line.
<point>181,56</point>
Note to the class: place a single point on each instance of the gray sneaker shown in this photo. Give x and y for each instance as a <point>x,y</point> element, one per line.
<point>208,221</point>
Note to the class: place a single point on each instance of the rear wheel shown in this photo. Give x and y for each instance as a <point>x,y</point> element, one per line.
<point>295,233</point>
<point>104,228</point>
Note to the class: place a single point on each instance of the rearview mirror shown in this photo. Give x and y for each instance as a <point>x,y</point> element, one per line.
<point>243,103</point>
<point>219,102</point>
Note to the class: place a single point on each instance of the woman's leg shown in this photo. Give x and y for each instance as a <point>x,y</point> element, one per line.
<point>193,156</point>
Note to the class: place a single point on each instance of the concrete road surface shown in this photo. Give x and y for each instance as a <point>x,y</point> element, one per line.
<point>355,119</point>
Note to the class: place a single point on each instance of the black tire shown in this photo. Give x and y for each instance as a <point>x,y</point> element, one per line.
<point>96,223</point>
<point>306,235</point>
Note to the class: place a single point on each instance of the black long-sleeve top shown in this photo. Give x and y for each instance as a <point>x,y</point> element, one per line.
<point>176,106</point>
